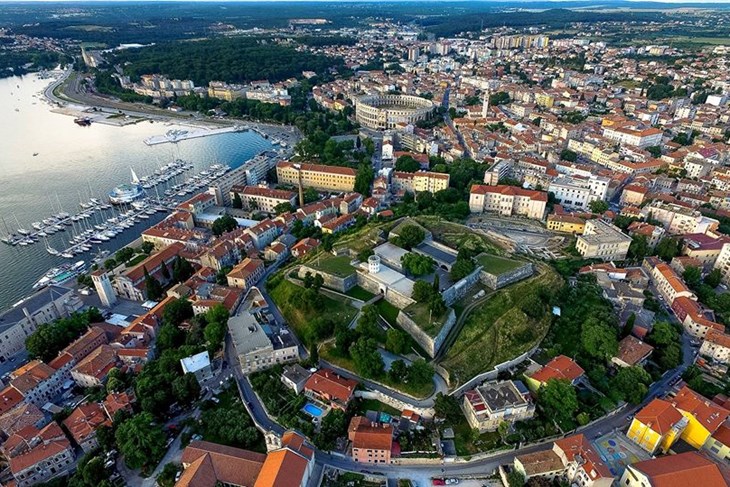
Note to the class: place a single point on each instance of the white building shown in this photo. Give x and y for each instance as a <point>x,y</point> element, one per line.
<point>578,192</point>
<point>601,240</point>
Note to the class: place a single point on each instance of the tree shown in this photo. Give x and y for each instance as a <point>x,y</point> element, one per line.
<point>631,384</point>
<point>165,271</point>
<point>398,371</point>
<point>667,249</point>
<point>397,341</point>
<point>662,334</point>
<point>422,291</point>
<point>568,155</point>
<point>177,311</point>
<point>363,255</point>
<point>236,202</point>
<point>692,276</point>
<point>714,278</point>
<point>629,326</point>
<point>499,98</point>
<point>283,208</point>
<point>367,324</point>
<point>417,264</point>
<point>90,472</point>
<point>515,478</point>
<point>410,236</point>
<point>364,179</point>
<point>147,247</point>
<point>224,224</point>
<point>368,361</point>
<point>140,440</point>
<point>169,337</point>
<point>559,400</point>
<point>420,372</point>
<point>447,408</point>
<point>599,339</point>
<point>310,195</point>
<point>186,388</point>
<point>407,164</point>
<point>598,206</point>
<point>333,426</point>
<point>181,269</point>
<point>639,247</point>
<point>344,338</point>
<point>654,150</point>
<point>166,478</point>
<point>461,268</point>
<point>152,286</point>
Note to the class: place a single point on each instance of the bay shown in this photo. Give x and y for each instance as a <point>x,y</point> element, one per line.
<point>74,163</point>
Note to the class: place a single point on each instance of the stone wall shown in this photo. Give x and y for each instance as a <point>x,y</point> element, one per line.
<point>461,288</point>
<point>392,296</point>
<point>495,281</point>
<point>430,344</point>
<point>341,284</point>
<point>399,405</point>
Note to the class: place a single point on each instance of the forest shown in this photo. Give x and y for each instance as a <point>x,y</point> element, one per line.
<point>233,60</point>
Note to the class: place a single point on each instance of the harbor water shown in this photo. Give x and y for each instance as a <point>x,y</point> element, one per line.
<point>49,164</point>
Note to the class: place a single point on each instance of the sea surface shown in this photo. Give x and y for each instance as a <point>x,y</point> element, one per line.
<point>75,163</point>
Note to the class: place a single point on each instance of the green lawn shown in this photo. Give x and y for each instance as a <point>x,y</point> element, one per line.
<point>420,392</point>
<point>430,324</point>
<point>388,311</point>
<point>136,260</point>
<point>336,265</point>
<point>498,329</point>
<point>359,293</point>
<point>458,236</point>
<point>299,319</point>
<point>466,444</point>
<point>366,405</point>
<point>497,265</point>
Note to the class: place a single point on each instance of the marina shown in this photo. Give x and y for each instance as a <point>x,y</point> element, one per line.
<point>99,222</point>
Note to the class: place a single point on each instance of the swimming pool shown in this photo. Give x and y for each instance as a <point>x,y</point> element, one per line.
<point>312,410</point>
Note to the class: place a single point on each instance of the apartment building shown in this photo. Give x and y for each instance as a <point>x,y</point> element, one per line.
<point>689,312</point>
<point>584,466</point>
<point>37,382</point>
<point>246,274</point>
<point>129,284</point>
<point>490,404</point>
<point>716,346</point>
<point>317,176</point>
<point>327,386</point>
<point>669,284</point>
<point>265,200</point>
<point>371,442</point>
<point>416,182</point>
<point>24,317</point>
<point>630,136</point>
<point>578,192</point>
<point>49,454</point>
<point>723,263</point>
<point>602,240</point>
<point>657,426</point>
<point>678,219</point>
<point>508,201</point>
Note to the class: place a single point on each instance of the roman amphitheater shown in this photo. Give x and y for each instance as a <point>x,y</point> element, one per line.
<point>388,111</point>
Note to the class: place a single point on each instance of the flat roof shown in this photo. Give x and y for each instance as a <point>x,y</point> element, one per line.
<point>438,254</point>
<point>32,303</point>
<point>195,362</point>
<point>390,252</point>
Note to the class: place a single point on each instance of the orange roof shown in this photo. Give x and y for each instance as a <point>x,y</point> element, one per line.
<point>328,383</point>
<point>578,445</point>
<point>345,171</point>
<point>561,367</point>
<point>659,415</point>
<point>31,375</point>
<point>718,338</point>
<point>723,434</point>
<point>208,463</point>
<point>709,414</point>
<point>282,468</point>
<point>672,278</point>
<point>631,350</point>
<point>98,363</point>
<point>370,436</point>
<point>84,420</point>
<point>247,267</point>
<point>681,470</point>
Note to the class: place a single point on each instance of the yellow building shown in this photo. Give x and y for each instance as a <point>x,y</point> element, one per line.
<point>545,100</point>
<point>657,426</point>
<point>317,176</point>
<point>566,224</point>
<point>704,416</point>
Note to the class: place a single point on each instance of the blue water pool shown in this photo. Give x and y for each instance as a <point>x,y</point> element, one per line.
<point>312,410</point>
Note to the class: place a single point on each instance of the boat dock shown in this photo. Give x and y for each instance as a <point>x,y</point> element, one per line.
<point>178,135</point>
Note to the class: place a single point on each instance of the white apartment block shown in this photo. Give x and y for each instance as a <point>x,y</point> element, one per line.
<point>601,240</point>
<point>716,346</point>
<point>639,138</point>
<point>578,192</point>
<point>679,220</point>
<point>723,263</point>
<point>508,201</point>
<point>488,405</point>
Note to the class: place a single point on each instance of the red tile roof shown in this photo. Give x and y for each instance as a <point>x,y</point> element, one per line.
<point>561,367</point>
<point>327,383</point>
<point>681,470</point>
<point>659,415</point>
